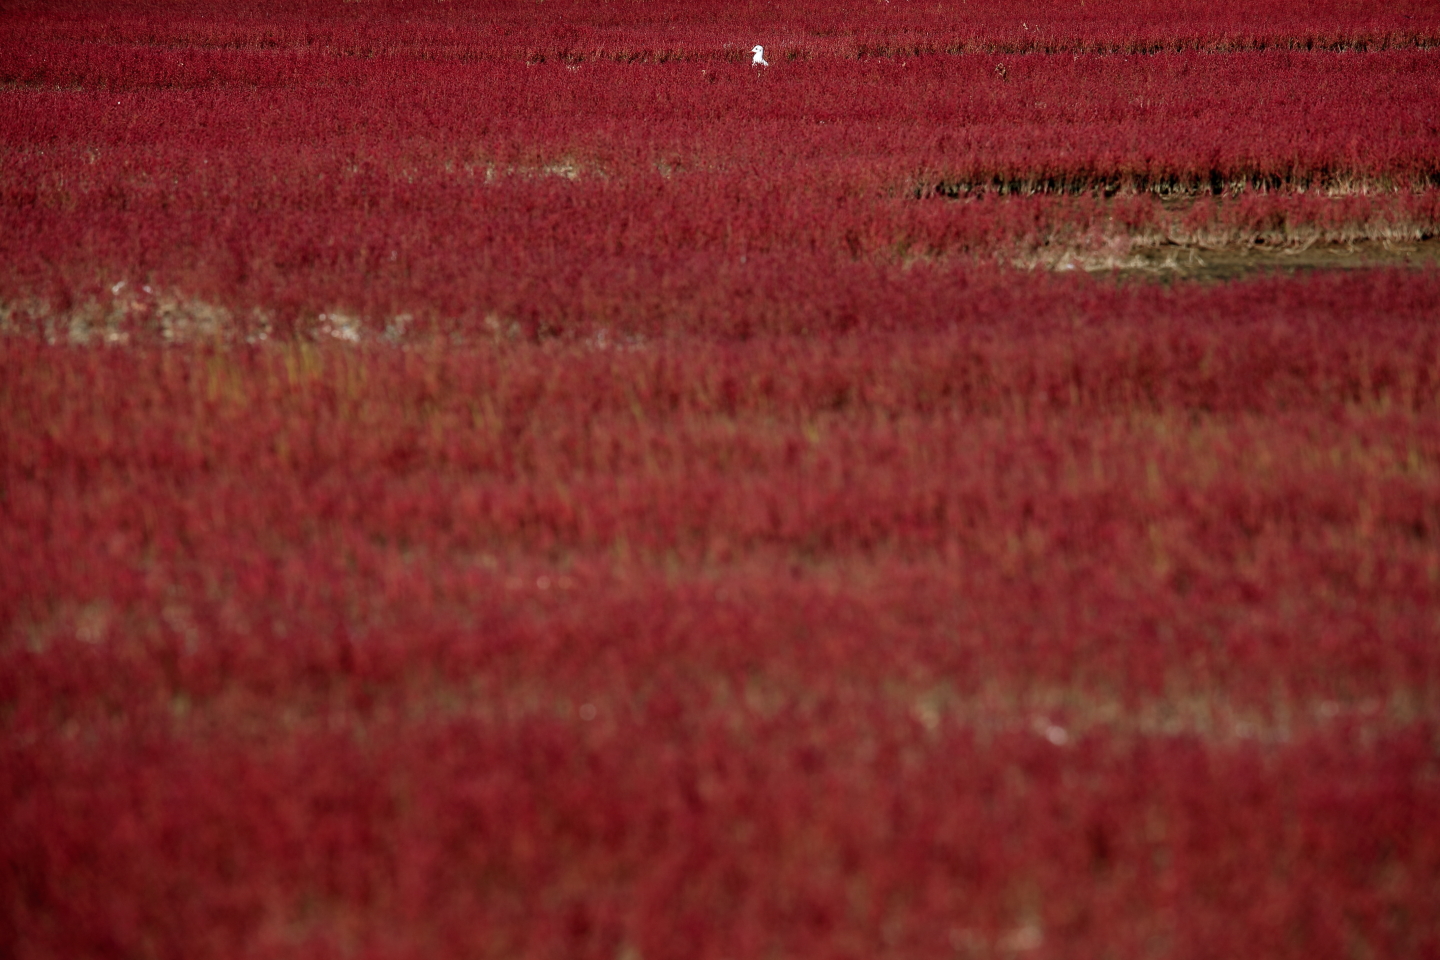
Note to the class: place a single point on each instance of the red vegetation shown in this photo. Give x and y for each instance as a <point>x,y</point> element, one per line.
<point>517,481</point>
<point>304,180</point>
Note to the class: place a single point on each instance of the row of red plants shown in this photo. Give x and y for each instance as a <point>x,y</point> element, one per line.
<point>651,31</point>
<point>840,827</point>
<point>380,187</point>
<point>1163,119</point>
<point>1092,623</point>
<point>1210,445</point>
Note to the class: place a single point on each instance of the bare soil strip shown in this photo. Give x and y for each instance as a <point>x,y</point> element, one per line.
<point>1173,261</point>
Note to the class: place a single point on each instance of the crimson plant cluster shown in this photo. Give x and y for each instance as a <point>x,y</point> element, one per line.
<point>519,480</point>
<point>682,194</point>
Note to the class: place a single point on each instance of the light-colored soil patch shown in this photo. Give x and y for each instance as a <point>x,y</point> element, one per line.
<point>1237,261</point>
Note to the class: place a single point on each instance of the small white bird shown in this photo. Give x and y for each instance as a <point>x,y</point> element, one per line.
<point>759,52</point>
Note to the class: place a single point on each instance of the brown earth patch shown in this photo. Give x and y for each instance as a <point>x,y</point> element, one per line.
<point>1236,261</point>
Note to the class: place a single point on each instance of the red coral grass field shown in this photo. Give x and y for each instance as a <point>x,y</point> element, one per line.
<point>509,480</point>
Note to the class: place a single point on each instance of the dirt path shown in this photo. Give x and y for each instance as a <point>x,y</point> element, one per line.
<point>1233,262</point>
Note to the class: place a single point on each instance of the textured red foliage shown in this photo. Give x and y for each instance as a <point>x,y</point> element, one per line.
<point>660,30</point>
<point>306,178</point>
<point>514,480</point>
<point>1109,635</point>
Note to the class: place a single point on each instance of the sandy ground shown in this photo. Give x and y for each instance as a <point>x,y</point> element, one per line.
<point>1233,262</point>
